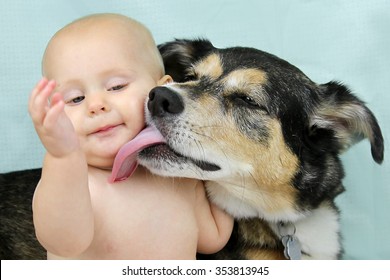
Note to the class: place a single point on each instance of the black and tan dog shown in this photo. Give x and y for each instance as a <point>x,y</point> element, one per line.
<point>265,138</point>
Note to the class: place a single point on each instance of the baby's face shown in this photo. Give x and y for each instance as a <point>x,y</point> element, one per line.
<point>104,85</point>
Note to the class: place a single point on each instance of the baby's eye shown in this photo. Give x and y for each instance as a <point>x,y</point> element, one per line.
<point>117,87</point>
<point>76,100</point>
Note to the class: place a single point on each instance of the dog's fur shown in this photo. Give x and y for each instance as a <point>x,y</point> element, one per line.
<point>17,234</point>
<point>264,137</point>
<point>266,140</point>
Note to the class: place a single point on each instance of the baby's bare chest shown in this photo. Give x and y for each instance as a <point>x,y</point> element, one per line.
<point>140,221</point>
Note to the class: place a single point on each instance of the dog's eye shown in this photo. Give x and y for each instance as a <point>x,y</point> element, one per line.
<point>249,102</point>
<point>190,77</point>
<point>246,100</point>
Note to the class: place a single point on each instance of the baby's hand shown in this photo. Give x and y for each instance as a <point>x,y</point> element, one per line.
<point>51,123</point>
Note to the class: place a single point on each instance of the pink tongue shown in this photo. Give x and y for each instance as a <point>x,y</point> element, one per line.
<point>125,161</point>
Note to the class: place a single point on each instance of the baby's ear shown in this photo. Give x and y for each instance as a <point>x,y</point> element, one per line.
<point>348,118</point>
<point>181,54</point>
<point>166,79</point>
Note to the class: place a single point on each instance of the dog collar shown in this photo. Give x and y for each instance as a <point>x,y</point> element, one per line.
<point>292,246</point>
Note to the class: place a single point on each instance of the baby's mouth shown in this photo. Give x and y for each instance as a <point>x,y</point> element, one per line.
<point>104,130</point>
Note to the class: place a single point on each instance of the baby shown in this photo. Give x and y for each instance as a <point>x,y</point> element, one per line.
<point>97,73</point>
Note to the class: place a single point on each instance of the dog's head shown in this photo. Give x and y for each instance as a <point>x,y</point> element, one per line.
<point>265,137</point>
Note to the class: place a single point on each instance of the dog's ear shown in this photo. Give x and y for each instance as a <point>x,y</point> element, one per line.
<point>179,55</point>
<point>345,117</point>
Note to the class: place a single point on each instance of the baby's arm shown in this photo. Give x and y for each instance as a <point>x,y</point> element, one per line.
<point>215,225</point>
<point>62,210</point>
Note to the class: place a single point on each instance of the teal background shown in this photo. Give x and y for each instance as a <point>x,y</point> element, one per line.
<point>343,40</point>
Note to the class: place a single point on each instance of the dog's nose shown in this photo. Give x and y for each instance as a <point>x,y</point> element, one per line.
<point>163,101</point>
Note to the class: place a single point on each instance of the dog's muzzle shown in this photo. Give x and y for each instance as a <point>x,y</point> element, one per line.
<point>164,103</point>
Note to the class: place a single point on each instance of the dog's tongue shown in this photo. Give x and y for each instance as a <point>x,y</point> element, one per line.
<point>125,161</point>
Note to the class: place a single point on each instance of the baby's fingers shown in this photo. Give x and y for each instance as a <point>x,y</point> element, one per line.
<point>55,111</point>
<point>38,103</point>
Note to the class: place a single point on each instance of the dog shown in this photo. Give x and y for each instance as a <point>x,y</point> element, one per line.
<point>265,139</point>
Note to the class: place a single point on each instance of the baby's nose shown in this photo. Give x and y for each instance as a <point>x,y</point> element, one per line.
<point>97,105</point>
<point>97,110</point>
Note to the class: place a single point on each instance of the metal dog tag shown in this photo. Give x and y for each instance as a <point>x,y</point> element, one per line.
<point>292,247</point>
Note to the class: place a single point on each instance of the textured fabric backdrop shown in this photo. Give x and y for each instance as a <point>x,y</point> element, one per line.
<point>343,40</point>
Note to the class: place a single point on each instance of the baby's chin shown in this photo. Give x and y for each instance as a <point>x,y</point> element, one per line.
<point>102,162</point>
<point>103,154</point>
